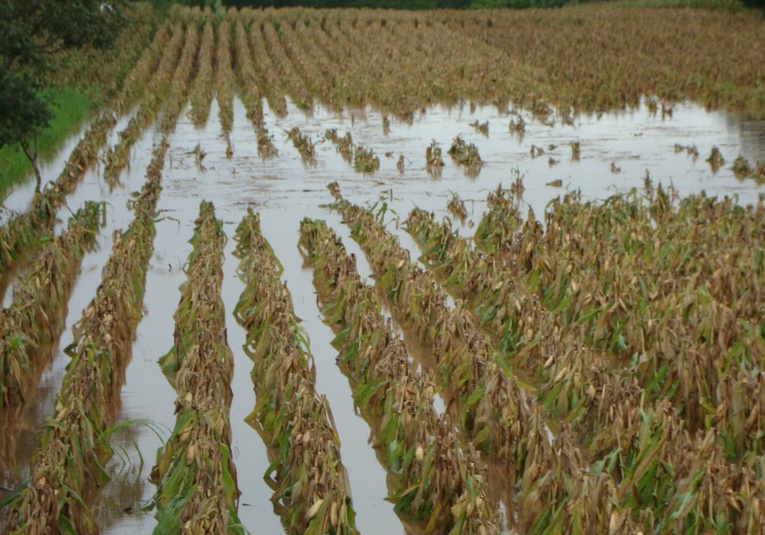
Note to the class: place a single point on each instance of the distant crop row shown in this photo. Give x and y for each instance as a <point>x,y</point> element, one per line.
<point>577,58</point>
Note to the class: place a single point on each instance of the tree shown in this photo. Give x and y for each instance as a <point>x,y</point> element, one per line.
<point>30,32</point>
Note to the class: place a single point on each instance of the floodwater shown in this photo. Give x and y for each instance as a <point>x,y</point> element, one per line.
<point>617,150</point>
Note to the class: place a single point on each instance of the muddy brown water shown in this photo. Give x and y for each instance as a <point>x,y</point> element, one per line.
<point>284,190</point>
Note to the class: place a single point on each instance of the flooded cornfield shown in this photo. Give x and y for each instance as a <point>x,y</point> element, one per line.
<point>266,313</point>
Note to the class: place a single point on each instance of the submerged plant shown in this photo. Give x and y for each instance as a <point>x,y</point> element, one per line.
<point>365,161</point>
<point>715,159</point>
<point>466,154</point>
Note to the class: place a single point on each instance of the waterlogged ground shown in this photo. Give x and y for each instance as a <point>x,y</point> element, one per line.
<point>617,153</point>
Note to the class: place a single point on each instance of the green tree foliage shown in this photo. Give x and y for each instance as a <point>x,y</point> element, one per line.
<point>31,31</point>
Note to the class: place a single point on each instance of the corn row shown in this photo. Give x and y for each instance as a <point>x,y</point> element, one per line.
<point>250,94</point>
<point>67,468</point>
<point>309,478</point>
<point>291,81</point>
<point>224,83</point>
<point>139,76</point>
<point>36,317</point>
<point>157,90</point>
<point>305,63</point>
<point>179,87</point>
<point>202,90</point>
<point>322,64</point>
<point>437,484</point>
<point>265,70</point>
<point>493,411</point>
<point>195,473</point>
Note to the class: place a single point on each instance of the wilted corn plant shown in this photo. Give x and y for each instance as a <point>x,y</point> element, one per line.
<point>493,411</point>
<point>310,483</point>
<point>195,474</point>
<point>647,309</point>
<point>435,482</point>
<point>35,319</point>
<point>68,468</point>
<point>645,447</point>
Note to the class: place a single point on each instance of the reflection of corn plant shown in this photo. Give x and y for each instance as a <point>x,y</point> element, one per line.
<point>288,411</point>
<point>195,474</point>
<point>417,445</point>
